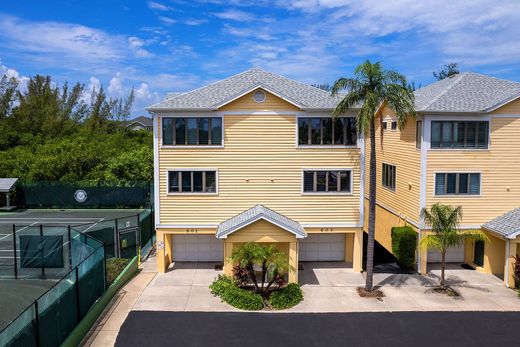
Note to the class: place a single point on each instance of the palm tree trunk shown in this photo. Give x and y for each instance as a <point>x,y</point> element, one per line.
<point>371,209</point>
<point>443,266</point>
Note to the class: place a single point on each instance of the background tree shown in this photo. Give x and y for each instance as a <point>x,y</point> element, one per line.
<point>444,221</point>
<point>55,132</point>
<point>449,69</point>
<point>370,87</point>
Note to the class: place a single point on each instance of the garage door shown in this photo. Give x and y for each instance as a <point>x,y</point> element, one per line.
<point>322,247</point>
<point>453,255</point>
<point>197,248</point>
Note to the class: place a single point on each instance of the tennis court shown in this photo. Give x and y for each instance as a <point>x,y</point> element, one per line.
<point>24,276</point>
<point>54,222</point>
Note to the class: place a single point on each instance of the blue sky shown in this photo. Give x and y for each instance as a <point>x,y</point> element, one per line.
<point>177,45</point>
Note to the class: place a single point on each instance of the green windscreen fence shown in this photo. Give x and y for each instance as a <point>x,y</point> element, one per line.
<point>52,317</point>
<point>84,194</point>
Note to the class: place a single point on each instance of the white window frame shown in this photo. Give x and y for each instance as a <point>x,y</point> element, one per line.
<point>460,118</point>
<point>456,196</point>
<point>216,192</point>
<point>351,170</point>
<point>190,116</point>
<point>296,130</point>
<point>382,185</point>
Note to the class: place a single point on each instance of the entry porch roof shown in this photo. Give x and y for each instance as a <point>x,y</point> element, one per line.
<point>256,213</point>
<point>507,225</point>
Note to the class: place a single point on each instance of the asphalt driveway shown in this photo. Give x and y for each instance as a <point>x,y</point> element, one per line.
<point>152,328</point>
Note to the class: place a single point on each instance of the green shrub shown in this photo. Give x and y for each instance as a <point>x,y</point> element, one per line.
<point>220,284</point>
<point>227,289</point>
<point>242,298</point>
<point>286,297</point>
<point>114,268</point>
<point>404,244</point>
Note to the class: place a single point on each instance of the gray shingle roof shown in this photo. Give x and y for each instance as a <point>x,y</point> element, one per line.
<point>467,92</point>
<point>6,184</point>
<point>255,213</point>
<point>507,224</point>
<point>214,95</point>
<point>145,121</point>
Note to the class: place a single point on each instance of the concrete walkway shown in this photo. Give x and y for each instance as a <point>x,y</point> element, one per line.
<point>106,329</point>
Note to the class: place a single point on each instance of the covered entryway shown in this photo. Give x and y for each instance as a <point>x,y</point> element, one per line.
<point>453,255</point>
<point>262,225</point>
<point>195,248</point>
<point>322,247</point>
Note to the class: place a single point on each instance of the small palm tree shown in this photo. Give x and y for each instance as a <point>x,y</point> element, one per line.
<point>273,263</point>
<point>372,86</point>
<point>444,221</point>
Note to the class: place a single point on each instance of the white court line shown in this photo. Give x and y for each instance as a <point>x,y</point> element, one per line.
<point>93,225</point>
<point>51,218</point>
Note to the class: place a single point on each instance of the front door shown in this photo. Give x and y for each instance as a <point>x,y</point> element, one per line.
<point>478,257</point>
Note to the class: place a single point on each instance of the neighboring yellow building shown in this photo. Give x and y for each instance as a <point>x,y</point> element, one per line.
<point>461,150</point>
<point>257,157</point>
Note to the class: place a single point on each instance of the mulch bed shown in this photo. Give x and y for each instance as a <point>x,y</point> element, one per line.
<point>375,293</point>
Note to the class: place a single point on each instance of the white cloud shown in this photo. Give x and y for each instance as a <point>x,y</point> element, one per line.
<point>236,15</point>
<point>158,6</point>
<point>12,73</point>
<point>195,22</point>
<point>115,88</point>
<point>167,20</point>
<point>137,46</point>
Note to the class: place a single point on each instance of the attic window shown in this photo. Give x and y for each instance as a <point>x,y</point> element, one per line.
<point>259,96</point>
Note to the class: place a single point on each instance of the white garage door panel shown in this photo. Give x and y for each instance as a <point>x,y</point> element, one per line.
<point>453,255</point>
<point>322,247</point>
<point>197,248</point>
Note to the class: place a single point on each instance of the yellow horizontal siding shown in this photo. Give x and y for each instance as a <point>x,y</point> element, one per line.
<point>271,103</point>
<point>258,149</point>
<point>500,167</point>
<point>397,148</point>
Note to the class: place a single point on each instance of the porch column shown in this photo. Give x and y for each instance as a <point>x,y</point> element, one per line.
<point>423,251</point>
<point>228,266</point>
<point>349,247</point>
<point>293,262</point>
<point>357,254</point>
<point>509,279</point>
<point>162,261</point>
<point>168,249</point>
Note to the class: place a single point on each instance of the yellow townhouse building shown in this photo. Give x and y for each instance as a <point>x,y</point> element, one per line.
<point>463,149</point>
<point>257,157</point>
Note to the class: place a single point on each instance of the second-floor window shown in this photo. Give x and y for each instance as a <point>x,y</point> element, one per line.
<point>192,131</point>
<point>389,176</point>
<point>457,183</point>
<point>333,181</point>
<point>192,182</point>
<point>464,134</point>
<point>326,131</point>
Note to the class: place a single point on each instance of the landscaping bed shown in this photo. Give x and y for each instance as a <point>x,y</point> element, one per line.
<point>258,280</point>
<point>245,298</point>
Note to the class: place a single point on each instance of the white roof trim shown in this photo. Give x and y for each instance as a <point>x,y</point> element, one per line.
<point>249,90</point>
<point>502,103</point>
<point>263,217</point>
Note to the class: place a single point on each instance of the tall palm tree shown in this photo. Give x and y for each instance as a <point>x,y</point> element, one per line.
<point>444,221</point>
<point>371,87</point>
